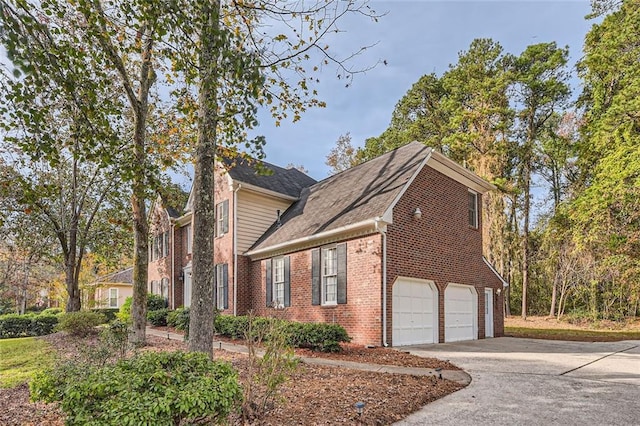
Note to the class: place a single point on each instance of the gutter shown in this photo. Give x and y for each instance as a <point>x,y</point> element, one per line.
<point>264,252</point>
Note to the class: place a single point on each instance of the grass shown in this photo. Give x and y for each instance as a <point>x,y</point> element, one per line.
<point>21,358</point>
<point>572,334</point>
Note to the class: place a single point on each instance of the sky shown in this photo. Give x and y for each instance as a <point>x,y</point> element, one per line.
<point>414,38</point>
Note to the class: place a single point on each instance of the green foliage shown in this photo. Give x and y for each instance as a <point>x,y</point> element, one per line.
<point>52,311</point>
<point>109,313</point>
<point>315,336</point>
<point>14,325</point>
<point>124,314</point>
<point>179,319</point>
<point>160,388</point>
<point>80,323</point>
<point>155,302</point>
<point>158,317</point>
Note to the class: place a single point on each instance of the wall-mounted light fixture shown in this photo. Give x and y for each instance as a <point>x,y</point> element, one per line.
<point>499,291</point>
<point>417,213</point>
<point>181,276</point>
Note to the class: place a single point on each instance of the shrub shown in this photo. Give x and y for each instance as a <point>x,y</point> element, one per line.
<point>179,319</point>
<point>124,313</point>
<point>80,323</point>
<point>315,336</point>
<point>43,324</point>
<point>52,311</point>
<point>109,313</point>
<point>155,302</point>
<point>14,325</point>
<point>158,317</point>
<point>161,388</point>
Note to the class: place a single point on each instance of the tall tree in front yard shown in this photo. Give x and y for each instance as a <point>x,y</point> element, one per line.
<point>250,54</point>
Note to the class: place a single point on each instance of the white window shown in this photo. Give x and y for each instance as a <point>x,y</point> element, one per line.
<point>164,288</point>
<point>329,276</point>
<point>278,282</point>
<point>473,210</point>
<point>165,244</point>
<point>113,297</point>
<point>220,287</point>
<point>222,218</point>
<point>189,236</point>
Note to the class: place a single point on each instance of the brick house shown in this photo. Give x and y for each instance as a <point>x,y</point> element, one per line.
<point>390,249</point>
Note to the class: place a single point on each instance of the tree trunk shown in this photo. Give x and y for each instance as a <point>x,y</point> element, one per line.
<point>140,225</point>
<point>202,300</point>
<point>525,232</point>
<point>554,294</point>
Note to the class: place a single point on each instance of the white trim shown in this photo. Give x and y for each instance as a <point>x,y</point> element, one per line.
<point>274,194</point>
<point>326,237</point>
<point>497,274</point>
<point>235,249</point>
<point>456,172</point>
<point>387,216</point>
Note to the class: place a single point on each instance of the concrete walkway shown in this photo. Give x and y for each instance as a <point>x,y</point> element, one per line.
<point>453,375</point>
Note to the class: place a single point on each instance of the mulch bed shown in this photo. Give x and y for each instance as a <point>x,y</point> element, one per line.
<point>314,395</point>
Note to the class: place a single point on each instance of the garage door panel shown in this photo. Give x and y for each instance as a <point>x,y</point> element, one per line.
<point>460,313</point>
<point>414,321</point>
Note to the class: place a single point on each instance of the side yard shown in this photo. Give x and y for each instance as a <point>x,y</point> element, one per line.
<point>312,395</point>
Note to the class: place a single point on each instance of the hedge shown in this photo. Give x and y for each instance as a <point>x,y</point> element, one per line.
<point>158,317</point>
<point>320,337</point>
<point>14,325</point>
<point>109,313</point>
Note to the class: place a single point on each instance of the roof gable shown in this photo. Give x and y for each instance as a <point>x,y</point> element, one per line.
<point>361,193</point>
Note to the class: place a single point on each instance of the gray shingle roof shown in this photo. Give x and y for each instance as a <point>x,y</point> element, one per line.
<point>360,193</point>
<point>289,182</point>
<point>125,276</point>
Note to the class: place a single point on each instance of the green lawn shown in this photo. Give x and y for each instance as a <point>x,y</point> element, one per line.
<point>572,334</point>
<point>21,358</point>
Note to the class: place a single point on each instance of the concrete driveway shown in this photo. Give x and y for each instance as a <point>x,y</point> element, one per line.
<point>537,382</point>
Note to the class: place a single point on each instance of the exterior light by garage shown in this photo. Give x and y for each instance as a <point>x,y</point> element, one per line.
<point>417,214</point>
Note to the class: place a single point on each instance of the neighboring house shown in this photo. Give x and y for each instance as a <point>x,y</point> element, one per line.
<point>110,291</point>
<point>390,249</point>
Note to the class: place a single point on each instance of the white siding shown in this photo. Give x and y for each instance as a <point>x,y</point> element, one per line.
<point>256,213</point>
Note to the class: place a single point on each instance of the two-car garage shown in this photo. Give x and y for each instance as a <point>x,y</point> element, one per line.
<point>415,312</point>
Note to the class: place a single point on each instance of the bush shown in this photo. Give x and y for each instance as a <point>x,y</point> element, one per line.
<point>158,317</point>
<point>43,324</point>
<point>80,323</point>
<point>155,302</point>
<point>179,319</point>
<point>109,313</point>
<point>14,325</point>
<point>315,336</point>
<point>52,311</point>
<point>163,388</point>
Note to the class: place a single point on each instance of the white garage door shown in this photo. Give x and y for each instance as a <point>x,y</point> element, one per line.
<point>460,313</point>
<point>414,312</point>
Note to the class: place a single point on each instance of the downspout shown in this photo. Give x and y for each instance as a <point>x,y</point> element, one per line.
<point>382,231</point>
<point>235,249</point>
<point>173,258</point>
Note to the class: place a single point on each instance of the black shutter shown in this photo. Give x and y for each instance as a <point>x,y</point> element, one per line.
<point>315,277</point>
<point>287,283</point>
<point>269,298</point>
<point>225,216</point>
<point>225,280</point>
<point>215,286</point>
<point>341,250</point>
